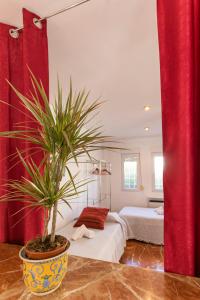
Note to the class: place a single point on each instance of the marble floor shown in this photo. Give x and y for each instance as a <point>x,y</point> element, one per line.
<point>89,279</point>
<point>139,254</point>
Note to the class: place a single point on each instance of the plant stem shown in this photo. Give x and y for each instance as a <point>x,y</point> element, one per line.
<point>53,229</point>
<point>59,170</point>
<point>45,226</point>
<point>47,215</point>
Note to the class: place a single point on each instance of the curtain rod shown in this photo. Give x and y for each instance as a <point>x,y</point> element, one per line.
<point>36,21</point>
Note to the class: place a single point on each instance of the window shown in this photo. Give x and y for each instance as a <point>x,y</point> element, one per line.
<point>130,171</point>
<point>158,172</point>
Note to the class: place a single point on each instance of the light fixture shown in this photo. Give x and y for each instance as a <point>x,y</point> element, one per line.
<point>146,128</point>
<point>147,108</point>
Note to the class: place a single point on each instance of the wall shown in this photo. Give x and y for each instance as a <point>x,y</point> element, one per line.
<point>110,47</point>
<point>144,146</point>
<point>120,198</point>
<point>80,202</point>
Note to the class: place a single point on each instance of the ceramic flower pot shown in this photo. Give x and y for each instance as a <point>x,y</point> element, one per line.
<point>44,276</point>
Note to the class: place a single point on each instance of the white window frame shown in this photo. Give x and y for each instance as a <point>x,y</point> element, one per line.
<point>135,156</point>
<point>153,172</point>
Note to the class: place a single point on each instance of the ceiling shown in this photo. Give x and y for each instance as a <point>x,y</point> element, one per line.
<point>110,47</point>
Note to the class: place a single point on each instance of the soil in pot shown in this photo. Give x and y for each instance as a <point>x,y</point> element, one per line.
<point>37,249</point>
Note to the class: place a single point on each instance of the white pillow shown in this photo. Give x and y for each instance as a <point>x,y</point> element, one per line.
<point>159,210</point>
<point>112,217</point>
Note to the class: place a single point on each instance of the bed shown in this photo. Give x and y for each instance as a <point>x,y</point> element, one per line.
<point>143,224</point>
<point>107,245</point>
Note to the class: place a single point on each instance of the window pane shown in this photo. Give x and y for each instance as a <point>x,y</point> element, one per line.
<point>158,172</point>
<point>130,174</point>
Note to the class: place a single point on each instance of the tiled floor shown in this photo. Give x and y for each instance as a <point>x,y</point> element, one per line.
<point>139,254</point>
<point>88,279</point>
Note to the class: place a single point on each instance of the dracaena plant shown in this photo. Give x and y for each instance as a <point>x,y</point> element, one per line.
<point>62,132</point>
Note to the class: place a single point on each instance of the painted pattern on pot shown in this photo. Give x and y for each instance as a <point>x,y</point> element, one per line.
<point>42,276</point>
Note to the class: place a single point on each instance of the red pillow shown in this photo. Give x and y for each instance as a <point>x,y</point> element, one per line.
<point>92,217</point>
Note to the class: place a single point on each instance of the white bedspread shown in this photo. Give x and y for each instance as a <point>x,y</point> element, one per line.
<point>107,245</point>
<point>114,217</point>
<point>143,224</point>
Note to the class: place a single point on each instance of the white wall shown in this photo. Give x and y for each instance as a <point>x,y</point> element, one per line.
<point>144,146</point>
<point>120,198</point>
<point>110,47</point>
<point>80,202</point>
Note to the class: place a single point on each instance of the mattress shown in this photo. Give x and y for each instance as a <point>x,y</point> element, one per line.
<point>107,245</point>
<point>143,224</point>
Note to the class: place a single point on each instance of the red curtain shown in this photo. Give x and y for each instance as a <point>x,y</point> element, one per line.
<point>179,42</point>
<point>4,125</point>
<point>30,49</point>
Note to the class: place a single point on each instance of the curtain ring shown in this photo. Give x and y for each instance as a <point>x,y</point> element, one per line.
<point>14,33</point>
<point>37,23</point>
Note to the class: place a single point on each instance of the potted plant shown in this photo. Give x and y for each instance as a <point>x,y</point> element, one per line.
<point>62,134</point>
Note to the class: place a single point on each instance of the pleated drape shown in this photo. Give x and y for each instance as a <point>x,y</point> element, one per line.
<point>179,42</point>
<point>29,50</point>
